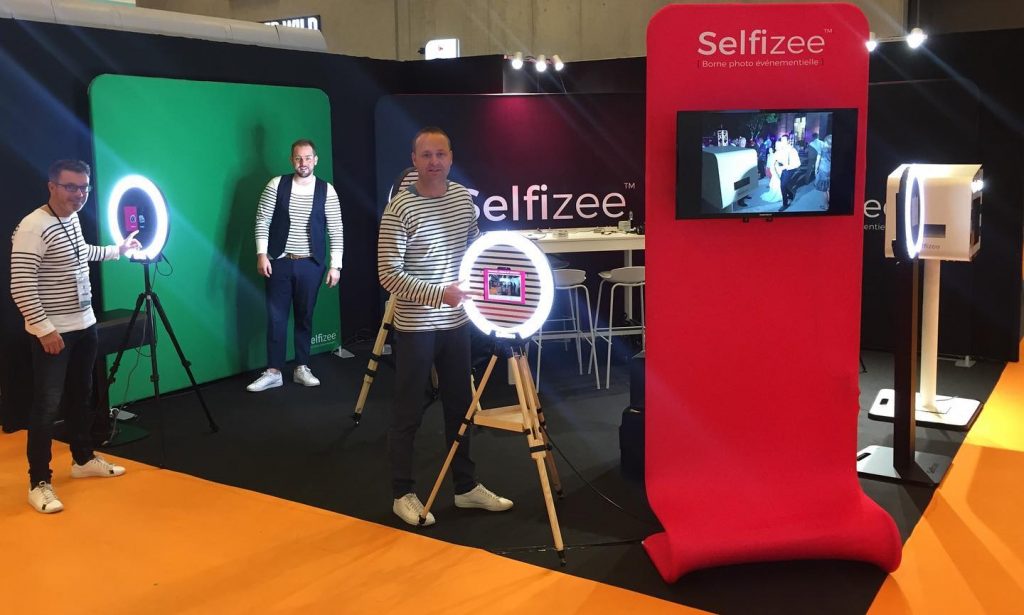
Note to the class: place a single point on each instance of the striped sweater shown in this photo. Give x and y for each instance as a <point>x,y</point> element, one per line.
<point>419,250</point>
<point>45,269</point>
<point>299,207</point>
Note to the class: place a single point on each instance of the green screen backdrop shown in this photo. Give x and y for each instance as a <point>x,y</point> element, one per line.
<point>210,148</point>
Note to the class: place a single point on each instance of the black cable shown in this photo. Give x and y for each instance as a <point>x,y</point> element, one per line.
<point>128,381</point>
<point>168,261</point>
<point>595,489</point>
<point>543,548</point>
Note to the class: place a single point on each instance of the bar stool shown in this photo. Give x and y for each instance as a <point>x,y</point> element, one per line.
<point>572,281</point>
<point>626,278</point>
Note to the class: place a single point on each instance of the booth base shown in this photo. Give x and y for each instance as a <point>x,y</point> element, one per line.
<point>877,462</point>
<point>955,413</point>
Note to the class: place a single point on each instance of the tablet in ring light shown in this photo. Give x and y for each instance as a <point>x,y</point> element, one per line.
<point>136,204</point>
<point>510,285</point>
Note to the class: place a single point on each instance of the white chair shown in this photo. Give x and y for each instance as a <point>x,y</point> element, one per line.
<point>626,278</point>
<point>572,281</point>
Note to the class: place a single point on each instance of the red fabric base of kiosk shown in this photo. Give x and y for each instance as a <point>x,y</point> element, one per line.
<point>752,398</point>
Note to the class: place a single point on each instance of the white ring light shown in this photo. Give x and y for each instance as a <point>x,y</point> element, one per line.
<point>914,244</point>
<point>539,262</point>
<point>129,182</point>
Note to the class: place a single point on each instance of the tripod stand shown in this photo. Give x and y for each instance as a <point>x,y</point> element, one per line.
<point>151,300</point>
<point>524,417</point>
<point>375,359</point>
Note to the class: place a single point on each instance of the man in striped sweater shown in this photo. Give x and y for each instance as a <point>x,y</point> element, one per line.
<point>50,285</point>
<point>423,236</point>
<point>293,213</point>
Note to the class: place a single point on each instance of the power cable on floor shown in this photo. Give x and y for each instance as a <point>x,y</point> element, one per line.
<point>595,489</point>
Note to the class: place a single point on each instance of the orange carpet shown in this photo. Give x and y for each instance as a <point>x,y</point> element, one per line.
<point>966,555</point>
<point>155,541</point>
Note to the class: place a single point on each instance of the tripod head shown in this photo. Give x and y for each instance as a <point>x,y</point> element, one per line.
<point>505,347</point>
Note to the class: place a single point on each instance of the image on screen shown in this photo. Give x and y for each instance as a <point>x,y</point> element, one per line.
<point>765,162</point>
<point>505,285</point>
<point>131,218</point>
<point>137,213</point>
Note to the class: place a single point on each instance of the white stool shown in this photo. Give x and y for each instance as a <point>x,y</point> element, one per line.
<point>572,281</point>
<point>626,278</point>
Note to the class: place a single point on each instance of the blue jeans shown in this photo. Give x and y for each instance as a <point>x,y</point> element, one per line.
<point>64,376</point>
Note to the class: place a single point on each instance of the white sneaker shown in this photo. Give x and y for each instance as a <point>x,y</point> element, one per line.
<point>43,498</point>
<point>97,466</point>
<point>303,376</point>
<point>482,497</point>
<point>267,380</point>
<point>409,508</point>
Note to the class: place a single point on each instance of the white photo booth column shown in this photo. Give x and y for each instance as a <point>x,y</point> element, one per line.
<point>933,213</point>
<point>948,230</point>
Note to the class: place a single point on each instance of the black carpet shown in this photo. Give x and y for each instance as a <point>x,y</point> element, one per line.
<point>301,444</point>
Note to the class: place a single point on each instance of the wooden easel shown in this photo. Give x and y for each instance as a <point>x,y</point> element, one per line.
<point>524,417</point>
<point>375,358</point>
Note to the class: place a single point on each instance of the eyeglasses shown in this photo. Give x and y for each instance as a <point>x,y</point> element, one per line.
<point>75,188</point>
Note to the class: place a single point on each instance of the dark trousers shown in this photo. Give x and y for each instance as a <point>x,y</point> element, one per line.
<point>786,186</point>
<point>292,282</point>
<point>66,375</point>
<point>448,352</point>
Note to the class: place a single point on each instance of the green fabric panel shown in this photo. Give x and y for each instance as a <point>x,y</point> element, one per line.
<point>210,148</point>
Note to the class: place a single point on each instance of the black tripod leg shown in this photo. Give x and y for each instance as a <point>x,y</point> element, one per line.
<point>124,340</point>
<point>155,377</point>
<point>184,362</point>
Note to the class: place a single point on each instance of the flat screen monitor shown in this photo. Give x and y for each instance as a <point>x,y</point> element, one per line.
<point>765,163</point>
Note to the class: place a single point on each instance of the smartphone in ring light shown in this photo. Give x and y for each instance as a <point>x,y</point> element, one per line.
<point>131,219</point>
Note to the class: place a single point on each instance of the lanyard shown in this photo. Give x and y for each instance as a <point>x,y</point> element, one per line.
<point>74,242</point>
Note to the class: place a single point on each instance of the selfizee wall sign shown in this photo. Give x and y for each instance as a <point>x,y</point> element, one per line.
<point>529,161</point>
<point>761,48</point>
<point>538,203</point>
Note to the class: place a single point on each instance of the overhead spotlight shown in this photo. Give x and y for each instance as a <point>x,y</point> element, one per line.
<point>872,43</point>
<point>541,64</point>
<point>557,61</point>
<point>517,60</point>
<point>916,38</point>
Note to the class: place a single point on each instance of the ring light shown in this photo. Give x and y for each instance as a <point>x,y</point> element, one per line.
<point>910,212</point>
<point>511,288</point>
<point>137,205</point>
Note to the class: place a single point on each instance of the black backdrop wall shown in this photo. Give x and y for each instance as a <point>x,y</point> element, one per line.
<point>955,99</point>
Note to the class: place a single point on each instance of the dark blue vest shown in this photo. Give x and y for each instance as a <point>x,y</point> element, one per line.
<point>281,221</point>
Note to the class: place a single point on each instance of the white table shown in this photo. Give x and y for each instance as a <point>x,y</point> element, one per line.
<point>591,239</point>
<point>597,239</point>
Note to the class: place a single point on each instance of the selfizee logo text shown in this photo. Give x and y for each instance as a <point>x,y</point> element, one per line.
<point>534,203</point>
<point>759,42</point>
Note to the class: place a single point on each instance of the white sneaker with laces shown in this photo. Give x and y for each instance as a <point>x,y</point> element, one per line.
<point>267,380</point>
<point>409,508</point>
<point>97,466</point>
<point>43,498</point>
<point>305,377</point>
<point>482,497</point>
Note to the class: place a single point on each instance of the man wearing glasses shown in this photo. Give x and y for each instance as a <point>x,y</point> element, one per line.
<point>293,213</point>
<point>50,285</point>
